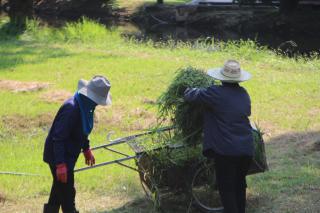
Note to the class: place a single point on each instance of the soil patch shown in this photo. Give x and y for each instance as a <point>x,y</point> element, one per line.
<point>21,123</point>
<point>144,120</point>
<point>254,201</point>
<point>19,86</point>
<point>316,145</point>
<point>58,96</point>
<point>2,198</point>
<point>149,101</point>
<point>269,129</point>
<point>309,142</point>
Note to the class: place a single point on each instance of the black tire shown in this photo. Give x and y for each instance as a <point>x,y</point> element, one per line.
<point>203,189</point>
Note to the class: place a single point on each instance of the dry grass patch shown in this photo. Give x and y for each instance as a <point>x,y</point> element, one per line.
<point>19,86</point>
<point>57,96</point>
<point>149,101</point>
<point>145,119</point>
<point>118,116</point>
<point>21,123</point>
<point>308,142</point>
<point>2,198</point>
<point>269,129</point>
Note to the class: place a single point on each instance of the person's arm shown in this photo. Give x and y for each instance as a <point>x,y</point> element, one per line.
<point>86,144</point>
<point>62,131</point>
<point>88,155</point>
<point>201,96</point>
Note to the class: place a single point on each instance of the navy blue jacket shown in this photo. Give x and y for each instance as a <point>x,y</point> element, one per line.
<point>227,129</point>
<point>66,138</point>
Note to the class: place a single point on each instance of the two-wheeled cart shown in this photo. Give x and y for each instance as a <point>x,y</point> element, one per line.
<point>194,175</point>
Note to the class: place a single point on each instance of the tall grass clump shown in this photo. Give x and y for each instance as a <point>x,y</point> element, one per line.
<point>185,117</point>
<point>86,31</point>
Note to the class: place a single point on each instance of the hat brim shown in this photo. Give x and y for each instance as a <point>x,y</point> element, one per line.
<point>217,74</point>
<point>83,89</point>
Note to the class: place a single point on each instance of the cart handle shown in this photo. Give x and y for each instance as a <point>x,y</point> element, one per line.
<point>105,163</point>
<point>131,137</point>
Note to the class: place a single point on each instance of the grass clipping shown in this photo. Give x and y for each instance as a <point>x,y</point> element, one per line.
<point>185,117</point>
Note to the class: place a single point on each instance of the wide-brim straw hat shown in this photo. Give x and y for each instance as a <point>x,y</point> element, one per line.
<point>97,89</point>
<point>231,72</point>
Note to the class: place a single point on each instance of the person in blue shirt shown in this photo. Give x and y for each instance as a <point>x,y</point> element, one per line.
<point>228,135</point>
<point>68,136</point>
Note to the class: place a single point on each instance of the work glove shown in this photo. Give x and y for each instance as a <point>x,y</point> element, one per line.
<point>61,172</point>
<point>90,161</point>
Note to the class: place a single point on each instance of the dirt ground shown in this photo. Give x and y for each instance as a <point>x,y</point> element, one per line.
<point>19,86</point>
<point>56,96</point>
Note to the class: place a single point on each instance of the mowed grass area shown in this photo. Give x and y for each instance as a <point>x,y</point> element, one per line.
<point>285,102</point>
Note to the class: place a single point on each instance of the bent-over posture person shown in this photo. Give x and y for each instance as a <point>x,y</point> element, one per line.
<point>68,135</point>
<point>227,132</point>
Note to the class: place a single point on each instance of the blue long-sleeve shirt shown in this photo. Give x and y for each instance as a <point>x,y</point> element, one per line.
<point>66,138</point>
<point>227,129</point>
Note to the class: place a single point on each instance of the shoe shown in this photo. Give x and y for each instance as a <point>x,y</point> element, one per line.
<point>50,209</point>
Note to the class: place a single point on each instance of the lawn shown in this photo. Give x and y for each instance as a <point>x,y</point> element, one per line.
<point>284,92</point>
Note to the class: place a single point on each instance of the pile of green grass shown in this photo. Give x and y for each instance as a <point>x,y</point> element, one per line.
<point>185,117</point>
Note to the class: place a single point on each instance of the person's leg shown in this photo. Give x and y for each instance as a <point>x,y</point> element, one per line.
<point>241,185</point>
<point>54,194</point>
<point>225,174</point>
<point>69,193</point>
<point>53,204</point>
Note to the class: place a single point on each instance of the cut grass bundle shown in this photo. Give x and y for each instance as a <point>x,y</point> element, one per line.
<point>186,117</point>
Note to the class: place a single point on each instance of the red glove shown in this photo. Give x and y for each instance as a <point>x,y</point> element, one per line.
<point>89,157</point>
<point>61,172</point>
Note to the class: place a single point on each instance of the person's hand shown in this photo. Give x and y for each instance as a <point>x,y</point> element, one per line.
<point>61,172</point>
<point>90,161</point>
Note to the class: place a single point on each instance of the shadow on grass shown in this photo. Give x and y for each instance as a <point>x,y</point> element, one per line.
<point>291,185</point>
<point>170,204</point>
<point>140,205</point>
<point>11,31</point>
<point>14,53</point>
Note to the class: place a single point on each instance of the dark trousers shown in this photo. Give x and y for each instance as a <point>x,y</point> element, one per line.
<point>63,194</point>
<point>231,174</point>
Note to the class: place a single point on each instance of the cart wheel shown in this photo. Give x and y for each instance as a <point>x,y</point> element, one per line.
<point>204,189</point>
<point>150,189</point>
<point>146,189</point>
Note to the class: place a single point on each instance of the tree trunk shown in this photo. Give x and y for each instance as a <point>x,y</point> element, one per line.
<point>19,11</point>
<point>160,1</point>
<point>288,5</point>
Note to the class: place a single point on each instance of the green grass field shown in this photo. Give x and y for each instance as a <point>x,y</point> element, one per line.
<point>284,93</point>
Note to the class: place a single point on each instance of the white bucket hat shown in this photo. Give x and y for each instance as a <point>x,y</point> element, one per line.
<point>97,89</point>
<point>230,72</point>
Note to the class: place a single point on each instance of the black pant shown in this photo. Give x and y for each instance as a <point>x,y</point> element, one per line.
<point>231,174</point>
<point>63,194</point>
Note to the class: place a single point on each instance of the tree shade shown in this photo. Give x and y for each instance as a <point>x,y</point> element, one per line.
<point>19,11</point>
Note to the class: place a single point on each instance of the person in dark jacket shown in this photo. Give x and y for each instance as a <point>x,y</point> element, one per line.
<point>228,135</point>
<point>68,135</point>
